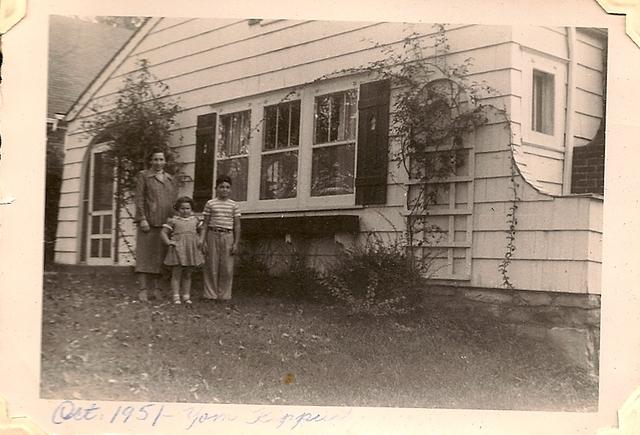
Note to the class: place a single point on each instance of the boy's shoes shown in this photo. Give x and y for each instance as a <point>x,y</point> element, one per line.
<point>186,300</point>
<point>142,296</point>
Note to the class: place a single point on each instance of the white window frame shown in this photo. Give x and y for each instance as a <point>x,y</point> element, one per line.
<point>558,69</point>
<point>303,200</point>
<point>276,151</point>
<point>228,110</point>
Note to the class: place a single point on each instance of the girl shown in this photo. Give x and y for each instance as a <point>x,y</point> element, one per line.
<point>180,234</point>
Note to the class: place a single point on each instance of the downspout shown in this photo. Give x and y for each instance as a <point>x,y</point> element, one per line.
<point>568,122</point>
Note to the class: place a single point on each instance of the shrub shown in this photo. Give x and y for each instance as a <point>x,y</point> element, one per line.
<point>377,278</point>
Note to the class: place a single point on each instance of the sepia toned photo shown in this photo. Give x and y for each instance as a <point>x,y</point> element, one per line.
<point>324,213</point>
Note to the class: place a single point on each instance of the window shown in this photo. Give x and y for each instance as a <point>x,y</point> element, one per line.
<point>542,101</point>
<point>334,134</point>
<point>233,151</point>
<point>293,150</point>
<point>279,172</point>
<point>543,97</point>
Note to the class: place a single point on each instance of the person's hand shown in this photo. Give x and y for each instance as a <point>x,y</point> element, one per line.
<point>203,246</point>
<point>234,249</point>
<point>144,225</point>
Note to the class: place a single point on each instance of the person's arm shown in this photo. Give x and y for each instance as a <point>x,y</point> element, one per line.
<point>236,235</point>
<point>165,235</point>
<point>140,217</point>
<point>202,240</point>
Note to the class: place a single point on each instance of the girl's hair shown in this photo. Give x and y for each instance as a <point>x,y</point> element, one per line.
<point>156,150</point>
<point>181,201</point>
<point>223,179</point>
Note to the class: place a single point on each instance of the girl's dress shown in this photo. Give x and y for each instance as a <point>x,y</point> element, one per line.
<point>184,232</point>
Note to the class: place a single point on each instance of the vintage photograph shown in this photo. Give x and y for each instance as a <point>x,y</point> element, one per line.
<point>332,213</point>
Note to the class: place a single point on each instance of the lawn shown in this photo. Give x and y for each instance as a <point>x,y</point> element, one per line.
<point>269,347</point>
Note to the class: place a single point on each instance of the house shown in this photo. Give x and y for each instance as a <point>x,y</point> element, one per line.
<point>307,147</point>
<point>78,50</point>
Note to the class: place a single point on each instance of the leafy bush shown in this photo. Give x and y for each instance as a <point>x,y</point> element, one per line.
<point>377,278</point>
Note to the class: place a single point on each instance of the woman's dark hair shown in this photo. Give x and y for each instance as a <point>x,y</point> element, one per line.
<point>223,179</point>
<point>156,150</point>
<point>181,201</point>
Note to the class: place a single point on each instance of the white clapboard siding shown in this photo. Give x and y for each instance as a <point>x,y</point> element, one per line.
<point>542,40</point>
<point>570,276</point>
<point>209,63</point>
<point>241,63</point>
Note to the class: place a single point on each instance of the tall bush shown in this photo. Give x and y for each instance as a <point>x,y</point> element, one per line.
<point>139,120</point>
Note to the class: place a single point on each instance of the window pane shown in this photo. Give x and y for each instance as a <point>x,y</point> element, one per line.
<point>102,182</point>
<point>294,135</point>
<point>282,125</point>
<point>270,126</point>
<point>106,248</point>
<point>95,224</point>
<point>543,97</point>
<point>335,117</point>
<point>95,248</point>
<point>106,224</point>
<point>279,175</point>
<point>332,170</point>
<point>233,135</point>
<point>236,168</point>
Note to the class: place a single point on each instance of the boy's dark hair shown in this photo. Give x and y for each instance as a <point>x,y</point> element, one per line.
<point>223,179</point>
<point>182,200</point>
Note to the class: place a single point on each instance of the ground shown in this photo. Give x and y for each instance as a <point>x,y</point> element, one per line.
<point>98,342</point>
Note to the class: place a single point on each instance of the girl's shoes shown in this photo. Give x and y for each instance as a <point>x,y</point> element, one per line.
<point>176,299</point>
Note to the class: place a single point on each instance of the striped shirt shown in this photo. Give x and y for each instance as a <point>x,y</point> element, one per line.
<point>221,213</point>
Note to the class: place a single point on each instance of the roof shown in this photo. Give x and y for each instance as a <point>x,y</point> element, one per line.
<point>78,51</point>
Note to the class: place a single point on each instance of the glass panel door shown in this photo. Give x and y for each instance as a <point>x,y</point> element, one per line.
<point>100,237</point>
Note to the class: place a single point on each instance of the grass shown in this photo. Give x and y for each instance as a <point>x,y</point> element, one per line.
<point>273,348</point>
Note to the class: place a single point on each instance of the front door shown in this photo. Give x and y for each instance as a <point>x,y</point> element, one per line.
<point>101,220</point>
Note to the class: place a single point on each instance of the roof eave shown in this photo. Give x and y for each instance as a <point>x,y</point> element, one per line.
<point>109,68</point>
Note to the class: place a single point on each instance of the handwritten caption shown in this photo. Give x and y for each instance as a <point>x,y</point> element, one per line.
<point>191,417</point>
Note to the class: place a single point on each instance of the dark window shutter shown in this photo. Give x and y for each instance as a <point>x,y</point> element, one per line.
<point>373,140</point>
<point>205,152</point>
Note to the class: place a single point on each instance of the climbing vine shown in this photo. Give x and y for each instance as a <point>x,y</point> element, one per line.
<point>139,120</point>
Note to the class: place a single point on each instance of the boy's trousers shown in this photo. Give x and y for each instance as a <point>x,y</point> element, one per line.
<point>218,265</point>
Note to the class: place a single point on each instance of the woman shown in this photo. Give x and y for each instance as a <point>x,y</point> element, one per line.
<point>155,196</point>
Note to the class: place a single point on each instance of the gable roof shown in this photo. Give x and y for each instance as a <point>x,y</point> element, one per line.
<point>78,51</point>
<point>110,67</point>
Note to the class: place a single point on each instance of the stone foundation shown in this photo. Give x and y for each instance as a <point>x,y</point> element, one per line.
<point>570,321</point>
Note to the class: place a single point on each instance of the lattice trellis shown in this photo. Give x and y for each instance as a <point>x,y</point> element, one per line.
<point>444,233</point>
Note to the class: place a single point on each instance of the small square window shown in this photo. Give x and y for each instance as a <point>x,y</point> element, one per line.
<point>542,101</point>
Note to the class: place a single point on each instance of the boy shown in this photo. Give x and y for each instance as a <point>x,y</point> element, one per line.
<point>220,240</point>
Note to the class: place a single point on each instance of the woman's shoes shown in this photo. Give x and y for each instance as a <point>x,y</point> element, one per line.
<point>143,296</point>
